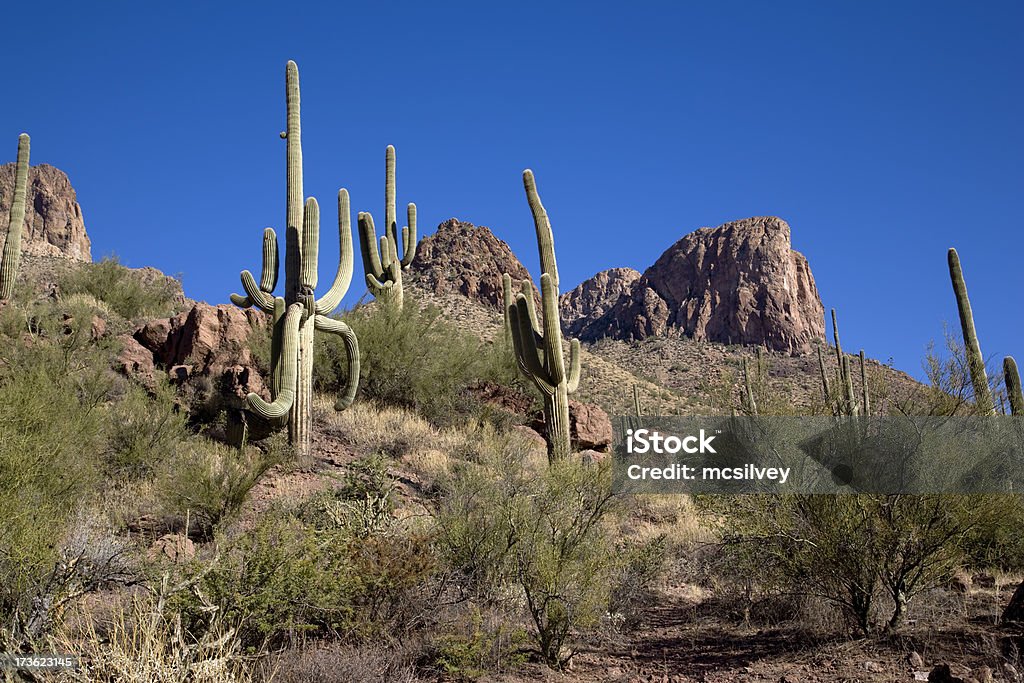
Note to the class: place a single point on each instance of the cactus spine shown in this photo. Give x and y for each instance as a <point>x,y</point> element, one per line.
<point>384,267</point>
<point>538,348</point>
<point>298,314</point>
<point>12,247</point>
<point>975,361</point>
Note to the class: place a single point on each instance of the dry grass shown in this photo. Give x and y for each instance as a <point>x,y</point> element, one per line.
<point>138,642</point>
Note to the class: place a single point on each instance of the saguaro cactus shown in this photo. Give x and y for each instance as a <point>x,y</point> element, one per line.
<point>975,361</point>
<point>1013,392</point>
<point>298,314</point>
<point>384,267</point>
<point>538,348</point>
<point>12,247</point>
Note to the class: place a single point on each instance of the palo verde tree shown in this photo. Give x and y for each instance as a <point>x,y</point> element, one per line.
<point>299,314</point>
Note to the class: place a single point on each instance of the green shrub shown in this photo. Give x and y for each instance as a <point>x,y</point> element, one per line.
<point>143,430</point>
<point>206,481</point>
<point>541,537</point>
<point>124,291</point>
<point>412,358</point>
<point>286,581</point>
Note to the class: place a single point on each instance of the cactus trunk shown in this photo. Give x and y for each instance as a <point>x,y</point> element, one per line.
<point>12,247</point>
<point>975,361</point>
<point>556,418</point>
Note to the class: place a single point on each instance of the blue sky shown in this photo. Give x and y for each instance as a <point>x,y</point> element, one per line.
<point>883,132</point>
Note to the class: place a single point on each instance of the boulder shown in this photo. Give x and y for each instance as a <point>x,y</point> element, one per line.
<point>589,426</point>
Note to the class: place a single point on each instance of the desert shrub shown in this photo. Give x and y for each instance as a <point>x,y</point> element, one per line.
<point>205,481</point>
<point>123,290</point>
<point>50,435</point>
<point>142,430</point>
<point>412,358</point>
<point>363,505</point>
<point>536,538</point>
<point>480,640</point>
<point>851,550</point>
<point>287,581</point>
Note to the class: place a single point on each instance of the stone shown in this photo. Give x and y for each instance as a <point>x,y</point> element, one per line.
<point>461,258</point>
<point>97,328</point>
<point>943,673</point>
<point>739,283</point>
<point>176,548</point>
<point>915,660</point>
<point>54,225</point>
<point>135,360</point>
<point>590,428</point>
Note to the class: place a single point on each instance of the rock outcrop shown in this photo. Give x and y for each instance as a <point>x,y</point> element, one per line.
<point>53,222</point>
<point>461,258</point>
<point>739,283</point>
<point>206,342</point>
<point>594,297</point>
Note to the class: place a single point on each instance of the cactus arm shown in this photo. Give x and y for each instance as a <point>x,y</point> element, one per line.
<point>526,349</point>
<point>545,239</point>
<point>276,337</point>
<point>573,380</point>
<point>268,278</point>
<point>552,330</point>
<point>975,361</point>
<point>526,289</point>
<point>409,237</point>
<point>839,346</point>
<point>308,275</point>
<point>387,253</point>
<point>254,295</point>
<point>514,340</point>
<point>12,247</point>
<point>332,326</point>
<point>507,301</point>
<point>1013,391</point>
<point>278,410</point>
<point>372,264</point>
<point>343,278</point>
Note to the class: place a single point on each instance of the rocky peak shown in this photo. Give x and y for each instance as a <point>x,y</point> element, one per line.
<point>53,222</point>
<point>461,258</point>
<point>739,283</point>
<point>592,298</point>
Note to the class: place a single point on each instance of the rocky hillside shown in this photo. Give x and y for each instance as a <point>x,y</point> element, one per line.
<point>461,258</point>
<point>53,223</point>
<point>739,283</point>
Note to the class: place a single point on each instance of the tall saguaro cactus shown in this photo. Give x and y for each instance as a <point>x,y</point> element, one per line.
<point>384,267</point>
<point>12,247</point>
<point>538,347</point>
<point>299,314</point>
<point>975,361</point>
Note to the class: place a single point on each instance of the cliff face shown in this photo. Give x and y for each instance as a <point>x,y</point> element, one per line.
<point>53,222</point>
<point>593,298</point>
<point>739,283</point>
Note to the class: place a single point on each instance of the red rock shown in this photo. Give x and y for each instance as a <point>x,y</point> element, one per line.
<point>739,283</point>
<point>593,298</point>
<point>177,548</point>
<point>461,258</point>
<point>589,426</point>
<point>53,223</point>
<point>135,360</point>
